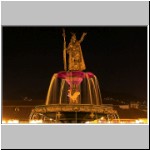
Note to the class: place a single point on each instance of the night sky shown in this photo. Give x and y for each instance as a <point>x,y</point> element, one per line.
<point>31,55</point>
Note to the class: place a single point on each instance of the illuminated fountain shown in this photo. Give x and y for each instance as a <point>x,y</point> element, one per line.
<point>73,95</point>
<point>74,87</point>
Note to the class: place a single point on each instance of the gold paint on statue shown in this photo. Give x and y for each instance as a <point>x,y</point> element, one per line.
<point>76,60</point>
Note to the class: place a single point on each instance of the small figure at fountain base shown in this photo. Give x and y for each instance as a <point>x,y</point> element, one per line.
<point>73,97</point>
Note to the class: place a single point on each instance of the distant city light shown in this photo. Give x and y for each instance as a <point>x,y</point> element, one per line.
<point>3,121</point>
<point>13,121</point>
<point>35,121</point>
<point>96,121</point>
<point>118,121</point>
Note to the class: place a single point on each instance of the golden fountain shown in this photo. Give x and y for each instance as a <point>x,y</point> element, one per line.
<point>74,95</point>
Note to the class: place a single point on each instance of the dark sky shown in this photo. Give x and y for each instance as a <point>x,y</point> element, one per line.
<point>31,55</point>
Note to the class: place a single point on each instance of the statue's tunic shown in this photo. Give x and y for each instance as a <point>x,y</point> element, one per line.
<point>76,61</point>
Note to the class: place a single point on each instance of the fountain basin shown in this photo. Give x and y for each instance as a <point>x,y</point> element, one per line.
<point>72,113</point>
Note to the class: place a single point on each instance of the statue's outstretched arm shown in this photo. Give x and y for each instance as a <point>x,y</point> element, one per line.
<point>82,37</point>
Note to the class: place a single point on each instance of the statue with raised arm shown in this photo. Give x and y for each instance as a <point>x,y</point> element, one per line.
<point>76,60</point>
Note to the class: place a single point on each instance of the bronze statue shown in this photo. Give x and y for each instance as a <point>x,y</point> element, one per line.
<point>76,61</point>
